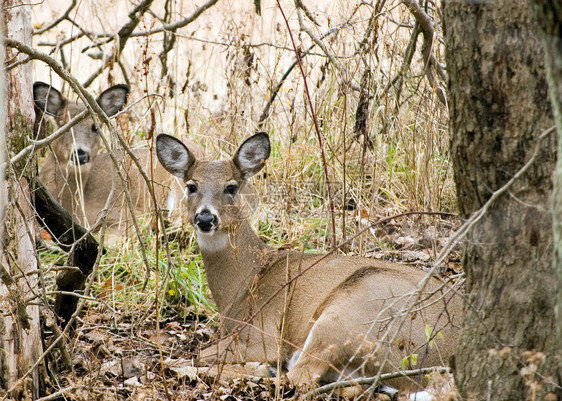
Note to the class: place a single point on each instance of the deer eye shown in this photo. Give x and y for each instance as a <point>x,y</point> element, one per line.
<point>191,188</point>
<point>94,128</point>
<point>231,189</point>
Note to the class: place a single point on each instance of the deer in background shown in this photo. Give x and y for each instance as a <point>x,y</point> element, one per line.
<point>321,317</point>
<point>68,166</point>
<point>80,178</point>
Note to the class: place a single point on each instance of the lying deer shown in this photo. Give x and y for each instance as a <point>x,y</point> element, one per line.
<point>322,317</point>
<point>80,178</point>
<point>68,166</point>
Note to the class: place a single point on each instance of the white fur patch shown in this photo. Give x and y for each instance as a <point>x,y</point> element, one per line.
<point>293,361</point>
<point>421,396</point>
<point>391,391</point>
<point>297,354</point>
<point>171,202</point>
<point>212,242</point>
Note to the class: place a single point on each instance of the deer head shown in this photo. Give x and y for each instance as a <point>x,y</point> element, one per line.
<point>218,191</point>
<point>80,145</point>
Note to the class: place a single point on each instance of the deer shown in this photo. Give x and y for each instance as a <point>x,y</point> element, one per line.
<point>80,177</point>
<point>319,317</point>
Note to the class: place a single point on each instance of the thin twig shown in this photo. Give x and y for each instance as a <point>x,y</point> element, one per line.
<point>326,51</point>
<point>174,26</point>
<point>36,145</point>
<point>430,62</point>
<point>57,394</point>
<point>123,34</point>
<point>171,27</point>
<point>372,380</point>
<point>57,21</point>
<point>266,110</point>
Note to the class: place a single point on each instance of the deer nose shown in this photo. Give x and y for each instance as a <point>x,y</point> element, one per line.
<point>81,156</point>
<point>205,221</point>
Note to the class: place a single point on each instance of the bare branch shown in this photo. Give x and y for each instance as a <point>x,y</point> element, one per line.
<point>57,21</point>
<point>408,57</point>
<point>430,62</point>
<point>267,109</point>
<point>372,380</point>
<point>326,51</point>
<point>300,4</point>
<point>123,35</point>
<point>172,27</point>
<point>36,145</point>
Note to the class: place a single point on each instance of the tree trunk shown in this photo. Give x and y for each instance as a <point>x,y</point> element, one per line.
<point>548,16</point>
<point>20,340</point>
<point>498,108</point>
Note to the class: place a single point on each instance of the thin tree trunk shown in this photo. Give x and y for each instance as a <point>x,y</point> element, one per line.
<point>20,340</point>
<point>498,108</point>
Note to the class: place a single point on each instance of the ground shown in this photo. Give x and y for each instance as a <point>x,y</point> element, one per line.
<point>118,355</point>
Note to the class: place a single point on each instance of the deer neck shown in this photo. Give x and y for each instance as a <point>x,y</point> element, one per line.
<point>232,259</point>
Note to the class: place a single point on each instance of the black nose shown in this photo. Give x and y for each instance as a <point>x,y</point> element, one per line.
<point>205,221</point>
<point>81,156</point>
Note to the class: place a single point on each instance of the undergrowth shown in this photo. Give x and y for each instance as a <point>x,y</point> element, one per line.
<point>217,80</point>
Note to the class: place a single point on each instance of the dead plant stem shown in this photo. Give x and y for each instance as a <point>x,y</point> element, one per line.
<point>316,127</point>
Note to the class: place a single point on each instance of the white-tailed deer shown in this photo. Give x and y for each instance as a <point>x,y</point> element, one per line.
<point>322,317</point>
<point>80,178</point>
<point>68,166</point>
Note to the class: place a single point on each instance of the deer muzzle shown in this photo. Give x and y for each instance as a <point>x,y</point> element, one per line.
<point>80,157</point>
<point>206,221</point>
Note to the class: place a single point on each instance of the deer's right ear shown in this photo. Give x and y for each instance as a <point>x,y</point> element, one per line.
<point>47,99</point>
<point>174,155</point>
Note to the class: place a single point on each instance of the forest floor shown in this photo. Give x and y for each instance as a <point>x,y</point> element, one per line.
<point>114,357</point>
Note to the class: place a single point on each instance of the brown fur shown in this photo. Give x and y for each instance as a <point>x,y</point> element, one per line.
<point>336,310</point>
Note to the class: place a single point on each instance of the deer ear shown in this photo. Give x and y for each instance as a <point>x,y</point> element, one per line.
<point>174,155</point>
<point>252,154</point>
<point>113,99</point>
<point>47,99</point>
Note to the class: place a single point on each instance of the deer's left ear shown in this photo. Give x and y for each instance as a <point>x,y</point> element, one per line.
<point>252,154</point>
<point>112,100</point>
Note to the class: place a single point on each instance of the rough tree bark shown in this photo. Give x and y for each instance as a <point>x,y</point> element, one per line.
<point>20,340</point>
<point>498,107</point>
<point>549,19</point>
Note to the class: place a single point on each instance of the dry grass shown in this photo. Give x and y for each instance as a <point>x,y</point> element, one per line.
<point>220,74</point>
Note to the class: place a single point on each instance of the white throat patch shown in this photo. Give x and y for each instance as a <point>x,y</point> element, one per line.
<point>212,242</point>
